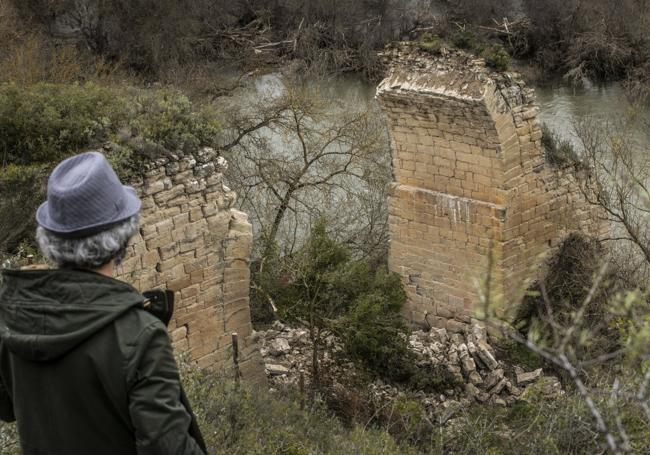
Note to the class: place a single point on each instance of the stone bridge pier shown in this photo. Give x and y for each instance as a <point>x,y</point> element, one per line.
<point>472,190</point>
<point>192,241</point>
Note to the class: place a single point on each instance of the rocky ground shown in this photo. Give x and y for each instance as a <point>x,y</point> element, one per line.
<point>468,357</point>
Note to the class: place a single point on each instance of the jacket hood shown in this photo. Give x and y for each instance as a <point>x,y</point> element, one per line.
<point>46,313</point>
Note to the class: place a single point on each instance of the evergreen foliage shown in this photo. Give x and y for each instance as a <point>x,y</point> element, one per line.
<point>325,289</point>
<point>42,124</point>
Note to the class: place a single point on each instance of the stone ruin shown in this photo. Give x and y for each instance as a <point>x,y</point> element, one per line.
<point>472,192</point>
<point>467,364</point>
<point>193,242</point>
<point>472,189</point>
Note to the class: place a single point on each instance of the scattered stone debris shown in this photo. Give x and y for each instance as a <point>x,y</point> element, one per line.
<point>276,370</point>
<point>527,378</point>
<point>468,356</point>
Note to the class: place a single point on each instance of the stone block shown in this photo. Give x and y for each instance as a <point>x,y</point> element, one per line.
<point>181,220</point>
<point>161,198</point>
<point>167,252</point>
<point>239,315</point>
<point>178,334</point>
<point>179,283</point>
<point>158,241</point>
<point>196,214</point>
<point>148,231</point>
<point>153,187</point>
<point>150,259</point>
<point>181,346</point>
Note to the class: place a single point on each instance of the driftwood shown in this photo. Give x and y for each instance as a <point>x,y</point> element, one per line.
<point>506,27</point>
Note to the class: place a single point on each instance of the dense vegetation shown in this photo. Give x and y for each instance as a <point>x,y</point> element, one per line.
<point>142,78</point>
<point>181,41</point>
<point>43,123</point>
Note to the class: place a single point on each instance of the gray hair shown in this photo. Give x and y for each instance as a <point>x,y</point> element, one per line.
<point>88,252</point>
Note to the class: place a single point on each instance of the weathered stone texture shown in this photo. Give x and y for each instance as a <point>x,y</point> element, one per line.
<point>193,242</point>
<point>470,182</point>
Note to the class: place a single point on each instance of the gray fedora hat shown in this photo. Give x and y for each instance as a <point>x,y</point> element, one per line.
<point>85,196</point>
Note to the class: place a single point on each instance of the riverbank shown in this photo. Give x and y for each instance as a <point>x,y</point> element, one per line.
<point>580,41</point>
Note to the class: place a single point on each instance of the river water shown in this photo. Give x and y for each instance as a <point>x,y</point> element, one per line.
<point>561,106</point>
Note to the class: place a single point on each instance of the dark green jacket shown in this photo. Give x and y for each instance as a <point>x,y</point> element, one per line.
<point>85,370</point>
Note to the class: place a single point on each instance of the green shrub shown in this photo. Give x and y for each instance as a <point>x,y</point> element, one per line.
<point>558,152</point>
<point>431,43</point>
<point>373,331</point>
<point>168,121</point>
<point>567,285</point>
<point>325,289</point>
<point>22,190</point>
<point>544,425</point>
<point>464,39</point>
<point>46,122</point>
<point>496,57</point>
<point>42,124</point>
<point>515,353</point>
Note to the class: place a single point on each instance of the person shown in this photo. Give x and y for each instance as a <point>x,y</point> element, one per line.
<point>84,368</point>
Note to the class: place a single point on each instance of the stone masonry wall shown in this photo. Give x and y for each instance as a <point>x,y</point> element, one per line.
<point>470,183</point>
<point>193,242</point>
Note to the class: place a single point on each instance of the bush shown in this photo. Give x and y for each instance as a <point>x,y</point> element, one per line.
<point>166,120</point>
<point>464,39</point>
<point>373,330</point>
<point>496,57</point>
<point>558,152</point>
<point>42,124</point>
<point>431,44</point>
<point>598,55</point>
<point>597,39</point>
<point>323,288</point>
<point>570,277</point>
<point>22,189</point>
<point>514,353</point>
<point>543,424</point>
<point>245,420</point>
<point>46,122</point>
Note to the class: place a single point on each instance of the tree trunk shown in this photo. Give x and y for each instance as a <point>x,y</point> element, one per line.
<point>314,334</point>
<point>279,216</point>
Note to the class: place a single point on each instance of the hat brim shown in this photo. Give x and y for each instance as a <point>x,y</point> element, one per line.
<point>131,207</point>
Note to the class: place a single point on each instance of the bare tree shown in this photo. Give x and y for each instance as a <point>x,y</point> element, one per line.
<point>614,174</point>
<point>304,157</point>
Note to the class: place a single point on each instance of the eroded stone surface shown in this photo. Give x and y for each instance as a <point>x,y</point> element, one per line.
<point>193,242</point>
<point>470,183</point>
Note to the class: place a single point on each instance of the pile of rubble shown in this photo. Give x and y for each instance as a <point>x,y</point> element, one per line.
<point>472,361</point>
<point>468,357</point>
<point>287,354</point>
